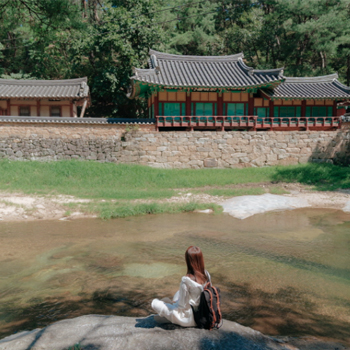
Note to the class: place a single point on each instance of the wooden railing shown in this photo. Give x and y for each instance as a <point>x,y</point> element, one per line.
<point>249,122</point>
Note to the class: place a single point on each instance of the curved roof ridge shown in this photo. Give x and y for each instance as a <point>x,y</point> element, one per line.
<point>43,82</point>
<point>141,71</point>
<point>251,70</point>
<point>269,71</point>
<point>320,79</point>
<point>341,86</point>
<point>169,56</point>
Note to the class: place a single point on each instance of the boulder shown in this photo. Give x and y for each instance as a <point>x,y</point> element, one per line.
<point>95,332</point>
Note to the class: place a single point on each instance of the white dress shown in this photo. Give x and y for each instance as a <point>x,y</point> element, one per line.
<point>180,312</point>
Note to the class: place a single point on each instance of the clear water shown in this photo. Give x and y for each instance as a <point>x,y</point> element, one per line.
<point>285,273</point>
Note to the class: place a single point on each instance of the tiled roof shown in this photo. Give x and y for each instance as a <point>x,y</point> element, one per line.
<point>53,89</point>
<point>204,71</point>
<point>69,120</point>
<point>310,88</point>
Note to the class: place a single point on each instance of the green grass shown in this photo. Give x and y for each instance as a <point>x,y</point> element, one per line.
<point>119,185</point>
<point>95,180</point>
<point>109,210</point>
<point>75,347</point>
<point>322,177</point>
<point>111,181</point>
<point>232,192</point>
<point>277,190</point>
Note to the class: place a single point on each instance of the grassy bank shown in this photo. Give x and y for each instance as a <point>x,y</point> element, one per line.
<point>120,185</point>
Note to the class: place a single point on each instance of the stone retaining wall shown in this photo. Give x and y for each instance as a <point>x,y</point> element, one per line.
<point>36,141</point>
<point>233,149</point>
<point>142,145</point>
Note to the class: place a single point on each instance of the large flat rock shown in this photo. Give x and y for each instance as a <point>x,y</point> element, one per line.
<point>244,206</point>
<point>96,332</point>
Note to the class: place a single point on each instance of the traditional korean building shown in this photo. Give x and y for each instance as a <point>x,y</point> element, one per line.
<point>222,92</point>
<point>43,98</point>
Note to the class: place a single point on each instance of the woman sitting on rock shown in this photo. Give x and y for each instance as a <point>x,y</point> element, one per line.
<point>179,310</point>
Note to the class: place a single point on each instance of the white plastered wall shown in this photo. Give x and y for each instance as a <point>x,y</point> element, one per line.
<point>44,107</point>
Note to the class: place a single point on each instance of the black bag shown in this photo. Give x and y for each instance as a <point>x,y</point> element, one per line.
<point>208,315</point>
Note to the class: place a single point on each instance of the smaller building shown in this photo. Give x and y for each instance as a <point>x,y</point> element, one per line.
<point>44,98</point>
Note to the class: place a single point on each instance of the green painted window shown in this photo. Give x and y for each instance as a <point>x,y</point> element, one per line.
<point>287,111</point>
<point>234,109</point>
<point>308,112</point>
<point>172,109</point>
<point>319,111</point>
<point>262,112</point>
<point>204,109</point>
<point>298,111</point>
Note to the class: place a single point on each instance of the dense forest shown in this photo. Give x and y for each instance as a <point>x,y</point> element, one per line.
<point>104,39</point>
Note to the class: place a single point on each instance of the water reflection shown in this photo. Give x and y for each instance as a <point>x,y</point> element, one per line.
<point>281,272</point>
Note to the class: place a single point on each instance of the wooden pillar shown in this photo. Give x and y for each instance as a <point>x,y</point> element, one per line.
<point>83,109</point>
<point>303,108</point>
<point>156,106</point>
<point>188,103</point>
<point>272,112</point>
<point>220,101</point>
<point>251,105</point>
<point>334,108</point>
<point>71,109</point>
<point>38,108</point>
<point>8,112</point>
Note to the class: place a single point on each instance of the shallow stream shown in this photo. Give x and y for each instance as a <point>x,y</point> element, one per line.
<point>285,273</point>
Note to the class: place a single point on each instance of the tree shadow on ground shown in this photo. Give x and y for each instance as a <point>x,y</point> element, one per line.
<point>323,176</point>
<point>286,312</point>
<point>152,322</point>
<point>41,313</point>
<point>226,340</point>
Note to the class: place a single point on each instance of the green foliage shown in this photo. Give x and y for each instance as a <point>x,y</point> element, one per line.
<point>103,40</point>
<point>76,347</point>
<point>322,176</point>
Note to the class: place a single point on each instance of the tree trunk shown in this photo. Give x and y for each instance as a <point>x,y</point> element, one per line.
<point>348,71</point>
<point>83,7</point>
<point>323,60</point>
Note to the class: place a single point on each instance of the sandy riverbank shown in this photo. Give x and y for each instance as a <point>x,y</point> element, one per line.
<point>20,207</point>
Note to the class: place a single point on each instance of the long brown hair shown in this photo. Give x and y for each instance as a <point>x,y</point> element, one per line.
<point>195,264</point>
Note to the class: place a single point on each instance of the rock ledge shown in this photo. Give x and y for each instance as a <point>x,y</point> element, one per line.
<point>95,332</point>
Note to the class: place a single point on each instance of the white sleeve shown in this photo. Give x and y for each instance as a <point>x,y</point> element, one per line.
<point>176,296</point>
<point>183,296</point>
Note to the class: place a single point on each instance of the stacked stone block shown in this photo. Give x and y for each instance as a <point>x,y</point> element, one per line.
<point>174,149</point>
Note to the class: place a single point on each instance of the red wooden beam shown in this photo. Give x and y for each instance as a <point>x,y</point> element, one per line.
<point>334,108</point>
<point>188,103</point>
<point>156,105</point>
<point>303,108</point>
<point>250,104</point>
<point>38,108</point>
<point>220,102</point>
